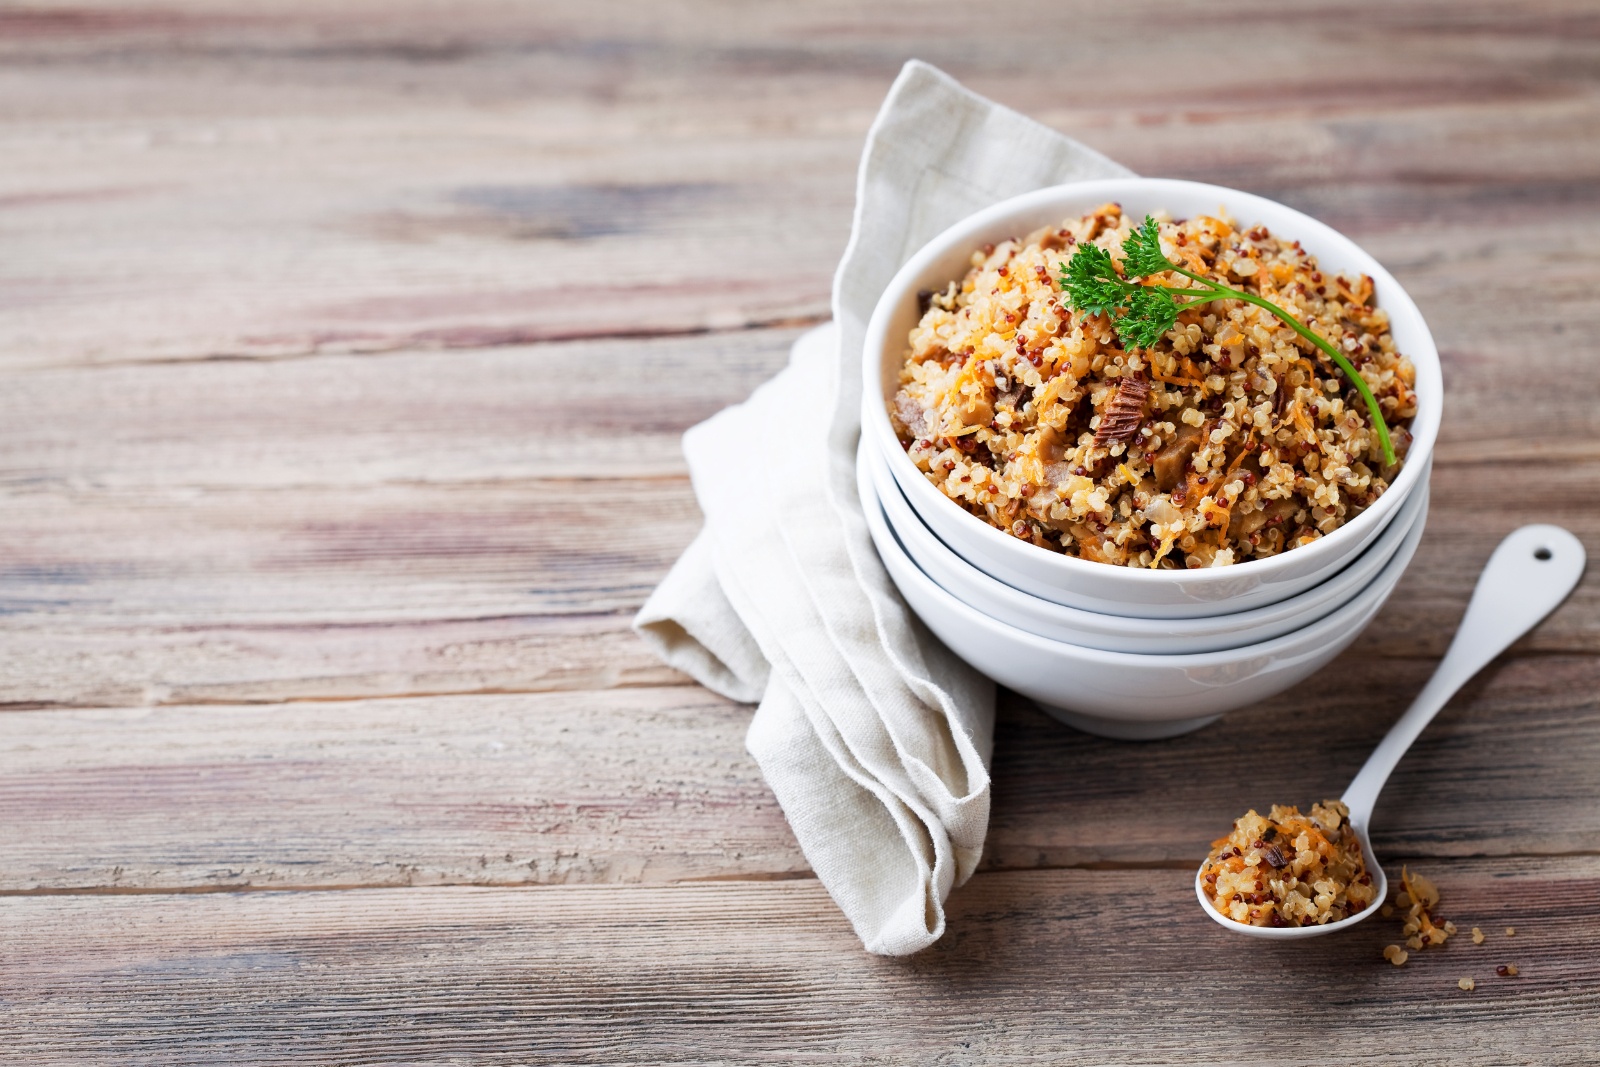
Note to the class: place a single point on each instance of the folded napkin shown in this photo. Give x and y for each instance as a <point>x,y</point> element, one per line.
<point>874,738</point>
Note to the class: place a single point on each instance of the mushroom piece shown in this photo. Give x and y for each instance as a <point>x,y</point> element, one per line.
<point>1173,459</point>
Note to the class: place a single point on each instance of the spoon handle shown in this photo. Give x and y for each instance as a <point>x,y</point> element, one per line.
<point>1530,573</point>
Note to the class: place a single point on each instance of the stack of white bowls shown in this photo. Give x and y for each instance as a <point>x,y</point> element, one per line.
<point>1120,651</point>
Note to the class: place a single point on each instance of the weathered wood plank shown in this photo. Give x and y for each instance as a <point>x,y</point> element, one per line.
<point>300,179</point>
<point>186,530</point>
<point>323,555</point>
<point>1061,967</point>
<point>1493,775</point>
<point>109,592</point>
<point>654,784</point>
<point>591,410</point>
<point>642,784</point>
<point>135,663</point>
<point>193,619</point>
<point>213,653</point>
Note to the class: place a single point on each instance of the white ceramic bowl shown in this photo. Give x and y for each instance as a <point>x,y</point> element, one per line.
<point>1126,590</point>
<point>1124,694</point>
<point>1121,633</point>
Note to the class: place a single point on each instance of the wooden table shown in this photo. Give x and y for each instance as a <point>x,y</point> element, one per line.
<point>346,349</point>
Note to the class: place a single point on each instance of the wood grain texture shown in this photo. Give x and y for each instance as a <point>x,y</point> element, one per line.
<point>344,353</point>
<point>1060,967</point>
<point>299,178</point>
<point>653,785</point>
<point>415,418</point>
<point>622,786</point>
<point>111,664</point>
<point>364,526</point>
<point>171,595</point>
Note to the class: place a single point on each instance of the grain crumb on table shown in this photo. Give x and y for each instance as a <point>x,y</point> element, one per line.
<point>1467,984</point>
<point>1419,896</point>
<point>1477,936</point>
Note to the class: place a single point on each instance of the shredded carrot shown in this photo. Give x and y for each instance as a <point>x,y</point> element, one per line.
<point>1052,390</point>
<point>1302,420</point>
<point>1360,295</point>
<point>1166,546</point>
<point>1173,379</point>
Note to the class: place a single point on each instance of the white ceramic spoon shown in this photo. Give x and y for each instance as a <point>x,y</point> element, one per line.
<point>1530,573</point>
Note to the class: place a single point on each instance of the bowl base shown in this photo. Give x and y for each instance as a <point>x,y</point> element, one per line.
<point>1123,729</point>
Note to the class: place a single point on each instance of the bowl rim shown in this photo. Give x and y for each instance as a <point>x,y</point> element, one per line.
<point>1131,625</point>
<point>1316,236</point>
<point>1380,587</point>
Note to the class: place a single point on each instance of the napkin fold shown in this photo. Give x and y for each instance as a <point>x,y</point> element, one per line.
<point>874,737</point>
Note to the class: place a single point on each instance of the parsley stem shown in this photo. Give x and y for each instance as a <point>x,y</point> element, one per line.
<point>1222,292</point>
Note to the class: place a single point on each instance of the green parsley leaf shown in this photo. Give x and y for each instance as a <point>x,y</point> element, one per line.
<point>1092,283</point>
<point>1150,313</point>
<point>1141,251</point>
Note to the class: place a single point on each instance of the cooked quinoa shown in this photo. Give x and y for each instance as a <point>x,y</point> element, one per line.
<point>1419,898</point>
<point>1289,869</point>
<point>1232,439</point>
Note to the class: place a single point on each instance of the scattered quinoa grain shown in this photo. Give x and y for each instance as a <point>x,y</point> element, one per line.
<point>1418,896</point>
<point>1511,931</point>
<point>1506,970</point>
<point>1477,936</point>
<point>1396,955</point>
<point>1386,911</point>
<point>1467,984</point>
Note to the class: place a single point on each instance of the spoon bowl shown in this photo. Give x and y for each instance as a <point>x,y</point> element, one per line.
<point>1528,576</point>
<point>1380,882</point>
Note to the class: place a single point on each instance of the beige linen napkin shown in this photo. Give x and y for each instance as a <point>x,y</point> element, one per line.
<point>874,738</point>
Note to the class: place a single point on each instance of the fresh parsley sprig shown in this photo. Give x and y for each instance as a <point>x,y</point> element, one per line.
<point>1143,314</point>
